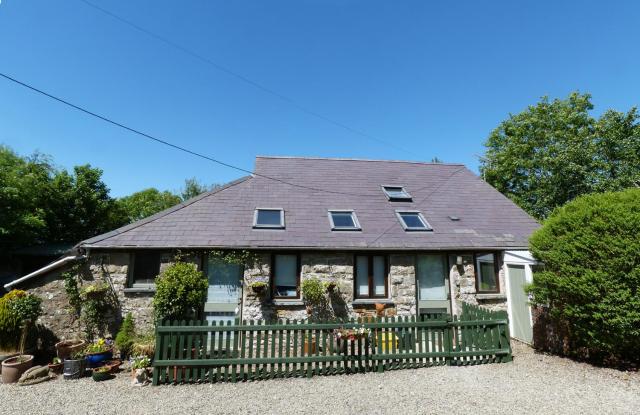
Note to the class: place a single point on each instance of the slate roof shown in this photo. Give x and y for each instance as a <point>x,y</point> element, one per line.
<point>224,217</point>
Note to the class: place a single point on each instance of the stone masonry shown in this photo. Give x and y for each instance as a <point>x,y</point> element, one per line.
<point>337,267</point>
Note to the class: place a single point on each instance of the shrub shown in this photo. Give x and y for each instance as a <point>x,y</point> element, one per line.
<point>27,308</point>
<point>181,291</point>
<point>9,321</point>
<point>313,291</point>
<point>126,335</point>
<point>591,251</point>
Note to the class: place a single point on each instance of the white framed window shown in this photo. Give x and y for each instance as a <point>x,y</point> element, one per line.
<point>268,218</point>
<point>396,193</point>
<point>487,273</point>
<point>412,220</point>
<point>343,220</point>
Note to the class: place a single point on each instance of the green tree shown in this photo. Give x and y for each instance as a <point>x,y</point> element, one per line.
<point>591,277</point>
<point>192,188</point>
<point>146,202</point>
<point>181,291</point>
<point>79,206</point>
<point>23,182</point>
<point>555,151</point>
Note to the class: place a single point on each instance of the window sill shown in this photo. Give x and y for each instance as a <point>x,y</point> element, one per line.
<point>287,302</point>
<point>133,290</point>
<point>491,296</point>
<point>361,301</point>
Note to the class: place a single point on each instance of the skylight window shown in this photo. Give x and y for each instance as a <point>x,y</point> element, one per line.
<point>268,218</point>
<point>413,221</point>
<point>343,220</point>
<point>396,193</point>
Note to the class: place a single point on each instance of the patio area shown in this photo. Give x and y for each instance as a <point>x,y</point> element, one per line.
<point>532,383</point>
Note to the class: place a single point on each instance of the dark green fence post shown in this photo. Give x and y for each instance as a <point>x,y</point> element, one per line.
<point>448,340</point>
<point>505,340</point>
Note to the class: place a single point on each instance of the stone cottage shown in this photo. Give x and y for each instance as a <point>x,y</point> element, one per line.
<point>416,237</point>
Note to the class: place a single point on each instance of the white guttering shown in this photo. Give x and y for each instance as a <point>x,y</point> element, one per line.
<point>44,269</point>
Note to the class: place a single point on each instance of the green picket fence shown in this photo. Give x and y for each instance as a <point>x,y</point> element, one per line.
<point>196,351</point>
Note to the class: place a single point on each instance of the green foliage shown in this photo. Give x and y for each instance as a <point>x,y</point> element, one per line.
<point>9,322</point>
<point>144,344</point>
<point>126,335</point>
<point>591,251</point>
<point>26,308</point>
<point>73,291</point>
<point>239,257</point>
<point>192,188</point>
<point>144,203</point>
<point>181,291</point>
<point>555,151</point>
<point>140,362</point>
<point>313,291</point>
<point>41,203</point>
<point>259,286</point>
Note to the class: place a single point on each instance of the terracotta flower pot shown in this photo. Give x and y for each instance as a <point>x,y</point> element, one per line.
<point>113,365</point>
<point>66,348</point>
<point>14,367</point>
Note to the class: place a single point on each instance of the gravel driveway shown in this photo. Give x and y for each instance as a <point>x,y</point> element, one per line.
<point>533,383</point>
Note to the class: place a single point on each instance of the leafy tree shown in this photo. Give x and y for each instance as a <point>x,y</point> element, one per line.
<point>555,151</point>
<point>23,181</point>
<point>146,202</point>
<point>591,277</point>
<point>181,291</point>
<point>79,206</point>
<point>192,188</point>
<point>43,204</point>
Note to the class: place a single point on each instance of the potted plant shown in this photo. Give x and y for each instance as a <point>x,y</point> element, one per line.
<point>259,287</point>
<point>98,352</point>
<point>74,366</point>
<point>140,370</point>
<point>102,373</point>
<point>126,336</point>
<point>26,309</point>
<point>56,366</point>
<point>66,348</point>
<point>14,367</point>
<point>94,291</point>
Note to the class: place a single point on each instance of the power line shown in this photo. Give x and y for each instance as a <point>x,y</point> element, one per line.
<point>242,78</point>
<point>161,141</point>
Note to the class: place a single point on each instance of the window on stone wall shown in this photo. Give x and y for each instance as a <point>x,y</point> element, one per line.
<point>146,267</point>
<point>371,275</point>
<point>487,273</point>
<point>285,276</point>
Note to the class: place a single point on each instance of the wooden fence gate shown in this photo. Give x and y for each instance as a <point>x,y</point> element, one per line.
<point>196,351</point>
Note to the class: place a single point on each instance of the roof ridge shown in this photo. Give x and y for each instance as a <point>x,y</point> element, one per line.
<point>161,214</point>
<point>358,159</point>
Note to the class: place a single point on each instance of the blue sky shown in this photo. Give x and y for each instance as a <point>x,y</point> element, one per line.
<point>431,77</point>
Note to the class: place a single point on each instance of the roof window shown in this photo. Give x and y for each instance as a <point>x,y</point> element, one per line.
<point>343,220</point>
<point>413,221</point>
<point>396,193</point>
<point>268,218</point>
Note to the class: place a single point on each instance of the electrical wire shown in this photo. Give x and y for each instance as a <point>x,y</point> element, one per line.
<point>243,78</point>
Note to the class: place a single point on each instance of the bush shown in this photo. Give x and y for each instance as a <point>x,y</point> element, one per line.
<point>18,312</point>
<point>591,251</point>
<point>181,291</point>
<point>126,335</point>
<point>9,321</point>
<point>313,291</point>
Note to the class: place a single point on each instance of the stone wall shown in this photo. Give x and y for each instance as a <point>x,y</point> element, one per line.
<point>462,281</point>
<point>337,268</point>
<point>326,266</point>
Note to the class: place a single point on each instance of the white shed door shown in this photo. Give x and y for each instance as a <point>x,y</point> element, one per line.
<point>520,309</point>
